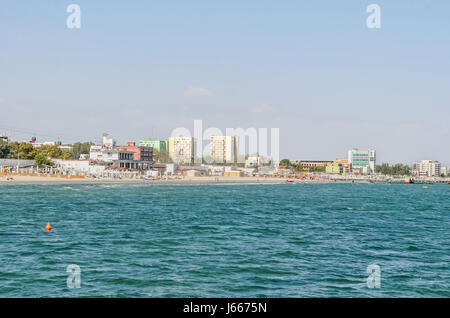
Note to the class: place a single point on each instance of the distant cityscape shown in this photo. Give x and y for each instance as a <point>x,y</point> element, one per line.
<point>176,156</point>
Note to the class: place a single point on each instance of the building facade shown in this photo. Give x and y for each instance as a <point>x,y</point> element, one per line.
<point>362,161</point>
<point>333,168</point>
<point>102,155</point>
<point>143,153</point>
<point>4,137</point>
<point>311,164</point>
<point>253,162</point>
<point>182,149</point>
<point>108,143</point>
<point>426,168</point>
<point>224,149</point>
<point>158,145</point>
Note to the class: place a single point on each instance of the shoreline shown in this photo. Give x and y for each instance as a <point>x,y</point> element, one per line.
<point>49,180</point>
<point>186,180</point>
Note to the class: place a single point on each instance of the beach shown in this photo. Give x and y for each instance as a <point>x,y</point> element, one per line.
<point>206,179</point>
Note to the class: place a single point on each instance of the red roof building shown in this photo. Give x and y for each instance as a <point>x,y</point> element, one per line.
<point>140,152</point>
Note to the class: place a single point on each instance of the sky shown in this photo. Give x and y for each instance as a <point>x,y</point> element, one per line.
<point>313,69</point>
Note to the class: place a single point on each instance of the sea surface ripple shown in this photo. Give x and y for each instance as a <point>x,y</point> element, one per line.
<point>224,240</point>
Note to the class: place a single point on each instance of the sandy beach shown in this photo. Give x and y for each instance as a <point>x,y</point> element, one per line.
<point>208,179</point>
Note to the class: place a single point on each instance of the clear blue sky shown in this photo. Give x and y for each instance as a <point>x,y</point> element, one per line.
<point>311,68</point>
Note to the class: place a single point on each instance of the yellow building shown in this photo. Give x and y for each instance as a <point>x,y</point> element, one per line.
<point>182,149</point>
<point>333,168</point>
<point>233,174</point>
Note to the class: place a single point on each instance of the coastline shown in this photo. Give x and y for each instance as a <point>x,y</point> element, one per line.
<point>222,179</point>
<point>203,179</point>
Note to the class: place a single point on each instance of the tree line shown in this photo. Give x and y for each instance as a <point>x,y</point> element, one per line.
<point>41,155</point>
<point>394,170</point>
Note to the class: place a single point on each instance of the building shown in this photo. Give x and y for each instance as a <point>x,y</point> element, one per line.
<point>9,165</point>
<point>253,162</point>
<point>72,165</point>
<point>102,155</point>
<point>4,137</point>
<point>160,149</point>
<point>124,157</point>
<point>118,158</point>
<point>143,153</point>
<point>224,149</point>
<point>346,166</point>
<point>308,165</point>
<point>426,168</point>
<point>182,149</point>
<point>333,168</point>
<point>445,171</point>
<point>158,145</point>
<point>192,173</point>
<point>233,173</point>
<point>362,161</point>
<point>108,143</point>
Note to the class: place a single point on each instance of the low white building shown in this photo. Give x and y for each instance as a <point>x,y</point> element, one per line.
<point>216,170</point>
<point>107,155</point>
<point>78,167</point>
<point>253,162</point>
<point>75,165</point>
<point>170,168</point>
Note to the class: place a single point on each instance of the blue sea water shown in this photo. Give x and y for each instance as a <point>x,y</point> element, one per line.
<point>225,240</point>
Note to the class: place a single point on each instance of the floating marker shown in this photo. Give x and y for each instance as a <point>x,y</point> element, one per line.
<point>48,227</point>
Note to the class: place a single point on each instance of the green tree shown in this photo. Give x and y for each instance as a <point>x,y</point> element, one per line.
<point>52,151</point>
<point>299,168</point>
<point>394,170</point>
<point>41,160</point>
<point>285,163</point>
<point>317,169</point>
<point>79,148</point>
<point>5,149</point>
<point>23,150</point>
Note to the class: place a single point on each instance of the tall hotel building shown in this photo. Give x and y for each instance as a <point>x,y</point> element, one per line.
<point>224,148</point>
<point>182,149</point>
<point>363,161</point>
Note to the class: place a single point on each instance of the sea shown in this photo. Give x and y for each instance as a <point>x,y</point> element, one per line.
<point>225,240</point>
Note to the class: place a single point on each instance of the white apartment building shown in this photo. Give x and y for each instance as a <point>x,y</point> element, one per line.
<point>182,149</point>
<point>362,160</point>
<point>224,148</point>
<point>427,168</point>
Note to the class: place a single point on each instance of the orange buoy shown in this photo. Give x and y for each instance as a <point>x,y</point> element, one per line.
<point>48,227</point>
